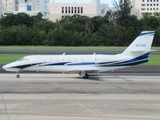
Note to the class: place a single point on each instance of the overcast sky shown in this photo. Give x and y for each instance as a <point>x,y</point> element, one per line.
<point>85,1</point>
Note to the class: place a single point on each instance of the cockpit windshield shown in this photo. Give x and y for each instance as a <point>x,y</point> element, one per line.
<point>20,59</point>
<point>24,59</point>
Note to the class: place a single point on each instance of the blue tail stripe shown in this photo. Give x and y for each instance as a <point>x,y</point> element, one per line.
<point>148,33</point>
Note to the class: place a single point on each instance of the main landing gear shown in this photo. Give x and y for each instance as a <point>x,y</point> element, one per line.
<point>84,75</point>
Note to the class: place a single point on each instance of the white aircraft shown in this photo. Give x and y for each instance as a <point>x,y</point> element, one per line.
<point>136,53</point>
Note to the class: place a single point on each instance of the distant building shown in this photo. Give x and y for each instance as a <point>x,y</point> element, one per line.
<point>140,7</point>
<point>8,5</point>
<point>44,8</point>
<point>1,10</point>
<point>58,10</point>
<point>31,7</point>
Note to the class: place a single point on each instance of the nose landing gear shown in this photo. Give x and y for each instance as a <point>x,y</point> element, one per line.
<point>18,76</point>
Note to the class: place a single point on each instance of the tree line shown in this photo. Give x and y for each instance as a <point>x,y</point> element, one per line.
<point>116,28</point>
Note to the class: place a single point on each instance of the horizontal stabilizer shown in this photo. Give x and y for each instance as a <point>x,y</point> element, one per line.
<point>141,50</point>
<point>152,50</point>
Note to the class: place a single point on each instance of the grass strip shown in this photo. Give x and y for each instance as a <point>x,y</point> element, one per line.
<point>66,48</point>
<point>153,60</point>
<point>7,58</point>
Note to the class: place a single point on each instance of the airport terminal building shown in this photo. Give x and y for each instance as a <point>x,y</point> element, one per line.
<point>58,10</point>
<point>140,7</point>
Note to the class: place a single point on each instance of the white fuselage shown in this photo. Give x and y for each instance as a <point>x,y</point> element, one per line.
<point>70,63</point>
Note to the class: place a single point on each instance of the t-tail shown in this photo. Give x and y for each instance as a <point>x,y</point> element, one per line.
<point>141,46</point>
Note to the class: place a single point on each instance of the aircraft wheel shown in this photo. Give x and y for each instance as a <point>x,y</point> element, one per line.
<point>18,76</point>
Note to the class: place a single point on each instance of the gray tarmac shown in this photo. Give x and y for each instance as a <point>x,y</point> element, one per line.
<point>69,97</point>
<point>138,70</point>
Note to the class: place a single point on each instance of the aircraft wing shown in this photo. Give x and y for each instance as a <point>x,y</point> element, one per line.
<point>83,69</point>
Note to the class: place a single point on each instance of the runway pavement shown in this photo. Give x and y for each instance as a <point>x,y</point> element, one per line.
<point>139,70</point>
<point>69,97</point>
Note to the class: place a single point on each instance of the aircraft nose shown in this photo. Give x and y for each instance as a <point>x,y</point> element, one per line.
<point>4,67</point>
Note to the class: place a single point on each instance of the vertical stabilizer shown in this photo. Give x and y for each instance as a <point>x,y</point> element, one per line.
<point>141,45</point>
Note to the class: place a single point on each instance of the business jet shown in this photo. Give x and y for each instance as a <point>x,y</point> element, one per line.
<point>137,53</point>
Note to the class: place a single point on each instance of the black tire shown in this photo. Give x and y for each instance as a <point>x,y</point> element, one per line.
<point>18,76</point>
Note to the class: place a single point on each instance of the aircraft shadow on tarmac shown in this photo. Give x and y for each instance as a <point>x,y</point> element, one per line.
<point>91,78</point>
